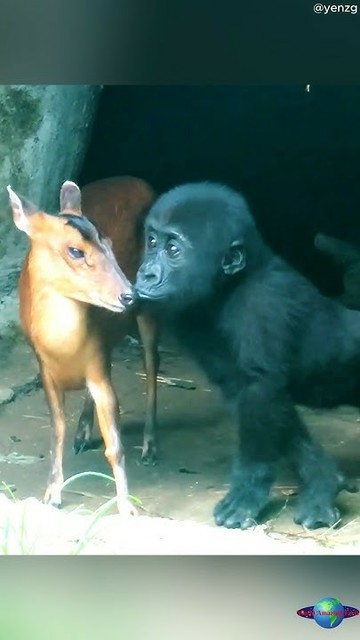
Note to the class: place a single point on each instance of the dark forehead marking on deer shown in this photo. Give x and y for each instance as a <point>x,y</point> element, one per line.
<point>86,228</point>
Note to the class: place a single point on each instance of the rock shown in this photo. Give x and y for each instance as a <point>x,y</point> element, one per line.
<point>6,395</point>
<point>44,133</point>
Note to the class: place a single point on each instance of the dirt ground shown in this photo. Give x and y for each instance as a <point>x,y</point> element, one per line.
<point>196,442</point>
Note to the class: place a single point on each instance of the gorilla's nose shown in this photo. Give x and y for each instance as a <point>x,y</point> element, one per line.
<point>152,273</point>
<point>128,299</point>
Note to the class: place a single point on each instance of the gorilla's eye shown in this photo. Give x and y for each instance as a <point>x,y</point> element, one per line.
<point>151,241</point>
<point>74,253</point>
<point>172,250</point>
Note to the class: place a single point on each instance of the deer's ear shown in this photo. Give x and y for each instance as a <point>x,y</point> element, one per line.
<point>21,210</point>
<point>70,198</point>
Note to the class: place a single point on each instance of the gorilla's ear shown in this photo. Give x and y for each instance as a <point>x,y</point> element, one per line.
<point>234,260</point>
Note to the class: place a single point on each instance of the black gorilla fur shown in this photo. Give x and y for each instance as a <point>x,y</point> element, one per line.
<point>261,332</point>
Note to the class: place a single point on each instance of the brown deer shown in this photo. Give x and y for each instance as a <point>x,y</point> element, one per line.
<point>70,269</point>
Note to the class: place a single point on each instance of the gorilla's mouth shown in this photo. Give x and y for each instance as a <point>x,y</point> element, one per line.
<point>148,295</point>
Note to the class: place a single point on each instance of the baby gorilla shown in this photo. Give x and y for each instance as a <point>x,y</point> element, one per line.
<point>262,333</point>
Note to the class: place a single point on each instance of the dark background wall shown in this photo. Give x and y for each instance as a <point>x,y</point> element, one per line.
<point>294,154</point>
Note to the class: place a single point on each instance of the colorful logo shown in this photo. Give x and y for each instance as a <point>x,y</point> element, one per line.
<point>328,612</point>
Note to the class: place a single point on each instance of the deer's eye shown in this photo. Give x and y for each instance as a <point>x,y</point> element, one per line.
<point>74,253</point>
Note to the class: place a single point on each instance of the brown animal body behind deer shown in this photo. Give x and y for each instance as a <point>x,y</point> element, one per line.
<point>117,206</point>
<point>69,268</point>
